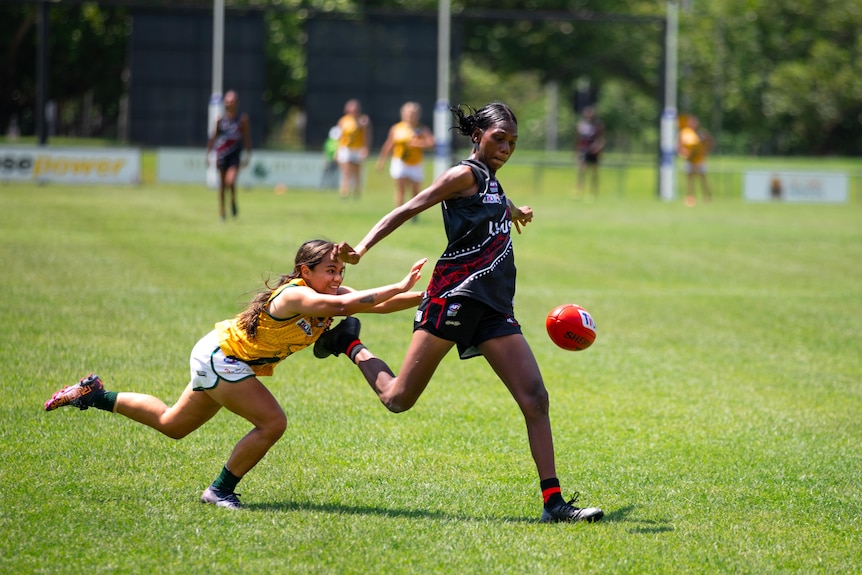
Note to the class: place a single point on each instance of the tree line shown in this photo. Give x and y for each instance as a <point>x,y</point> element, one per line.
<point>765,77</point>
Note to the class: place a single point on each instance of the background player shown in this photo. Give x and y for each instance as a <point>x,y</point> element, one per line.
<point>407,141</point>
<point>231,137</point>
<point>353,143</point>
<point>588,147</point>
<point>695,144</point>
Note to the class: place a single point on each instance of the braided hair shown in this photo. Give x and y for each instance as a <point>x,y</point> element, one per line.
<point>468,118</point>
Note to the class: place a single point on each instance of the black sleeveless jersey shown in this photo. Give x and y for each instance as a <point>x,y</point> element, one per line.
<point>478,262</point>
<point>228,136</point>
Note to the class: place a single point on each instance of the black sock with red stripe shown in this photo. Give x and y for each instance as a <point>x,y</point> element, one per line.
<point>353,349</point>
<point>551,492</point>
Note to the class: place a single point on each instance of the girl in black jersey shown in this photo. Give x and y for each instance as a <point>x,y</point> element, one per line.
<point>468,303</point>
<point>231,140</point>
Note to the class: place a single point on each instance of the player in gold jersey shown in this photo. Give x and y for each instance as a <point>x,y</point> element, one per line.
<point>353,144</point>
<point>227,362</point>
<point>695,144</point>
<point>406,142</point>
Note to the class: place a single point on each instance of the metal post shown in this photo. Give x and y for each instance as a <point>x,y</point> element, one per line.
<point>215,104</point>
<point>218,45</point>
<point>667,165</point>
<point>42,76</point>
<point>441,108</point>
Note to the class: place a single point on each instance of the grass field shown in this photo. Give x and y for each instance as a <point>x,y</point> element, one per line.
<point>717,420</point>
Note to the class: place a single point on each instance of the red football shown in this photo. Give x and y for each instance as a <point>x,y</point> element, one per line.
<point>571,327</point>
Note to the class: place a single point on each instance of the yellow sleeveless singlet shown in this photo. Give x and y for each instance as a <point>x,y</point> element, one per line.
<point>276,338</point>
<point>402,149</point>
<point>352,134</point>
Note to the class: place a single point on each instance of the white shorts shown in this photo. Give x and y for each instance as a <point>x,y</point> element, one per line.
<point>208,364</point>
<point>398,169</point>
<point>698,168</point>
<point>349,155</point>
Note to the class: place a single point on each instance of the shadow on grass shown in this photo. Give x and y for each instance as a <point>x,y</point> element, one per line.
<point>380,511</point>
<point>645,526</point>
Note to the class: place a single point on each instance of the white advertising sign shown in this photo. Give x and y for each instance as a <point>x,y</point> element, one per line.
<point>795,186</point>
<point>265,169</point>
<point>70,165</point>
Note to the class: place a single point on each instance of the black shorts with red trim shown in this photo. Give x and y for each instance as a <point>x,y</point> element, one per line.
<point>229,160</point>
<point>465,321</point>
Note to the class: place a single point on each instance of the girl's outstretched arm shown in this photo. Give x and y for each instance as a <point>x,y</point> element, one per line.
<point>305,300</point>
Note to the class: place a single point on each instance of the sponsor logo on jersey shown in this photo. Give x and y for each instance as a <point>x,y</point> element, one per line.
<point>232,365</point>
<point>304,326</point>
<point>492,196</point>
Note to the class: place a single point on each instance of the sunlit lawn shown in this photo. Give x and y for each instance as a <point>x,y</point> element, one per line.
<point>716,419</point>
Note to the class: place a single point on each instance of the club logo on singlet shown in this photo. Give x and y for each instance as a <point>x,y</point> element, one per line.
<point>452,313</point>
<point>304,326</point>
<point>492,196</point>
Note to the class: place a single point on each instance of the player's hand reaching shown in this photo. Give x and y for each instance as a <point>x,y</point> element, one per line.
<point>521,216</point>
<point>415,273</point>
<point>344,252</point>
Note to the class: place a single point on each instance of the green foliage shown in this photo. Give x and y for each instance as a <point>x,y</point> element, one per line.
<point>764,77</point>
<point>788,75</point>
<point>286,59</point>
<point>285,49</point>
<point>570,45</point>
<point>87,45</point>
<point>522,91</point>
<point>716,419</point>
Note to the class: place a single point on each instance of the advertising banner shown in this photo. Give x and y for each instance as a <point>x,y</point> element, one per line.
<point>265,169</point>
<point>70,165</point>
<point>795,186</point>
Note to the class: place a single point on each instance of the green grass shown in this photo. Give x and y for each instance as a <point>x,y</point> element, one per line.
<point>716,419</point>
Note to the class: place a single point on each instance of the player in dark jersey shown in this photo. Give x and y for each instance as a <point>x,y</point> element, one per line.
<point>589,145</point>
<point>231,140</point>
<point>469,301</point>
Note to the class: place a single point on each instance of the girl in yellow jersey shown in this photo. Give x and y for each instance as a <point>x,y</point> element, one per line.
<point>407,141</point>
<point>694,145</point>
<point>227,362</point>
<point>353,143</point>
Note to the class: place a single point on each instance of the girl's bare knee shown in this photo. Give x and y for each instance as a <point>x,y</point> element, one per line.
<point>275,427</point>
<point>535,402</point>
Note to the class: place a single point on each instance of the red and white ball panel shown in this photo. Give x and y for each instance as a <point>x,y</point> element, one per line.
<point>571,327</point>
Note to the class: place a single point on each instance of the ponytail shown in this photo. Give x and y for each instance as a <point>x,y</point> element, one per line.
<point>309,254</point>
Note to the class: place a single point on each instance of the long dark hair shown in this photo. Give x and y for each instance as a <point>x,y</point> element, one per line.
<point>309,254</point>
<point>468,118</point>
